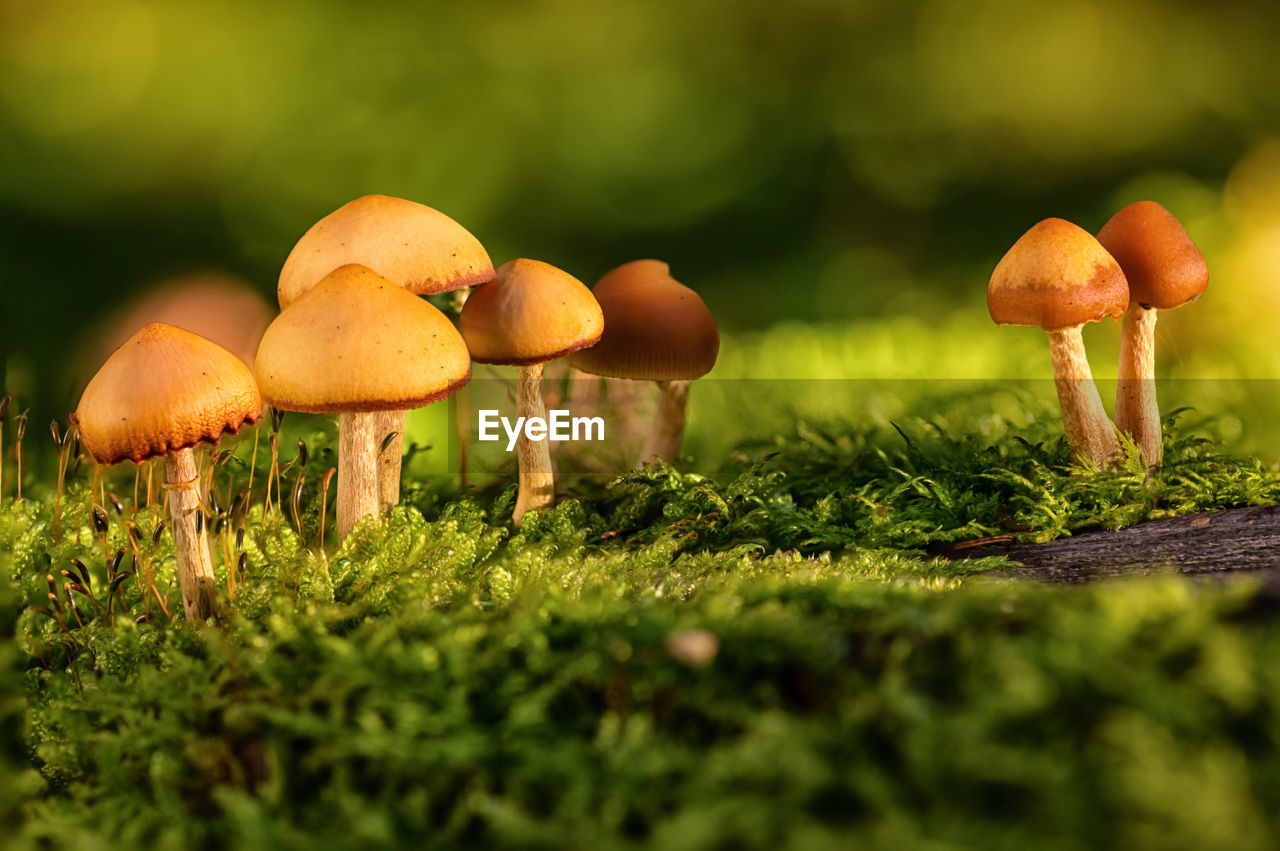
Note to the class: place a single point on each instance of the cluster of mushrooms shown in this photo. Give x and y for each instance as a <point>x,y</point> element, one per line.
<point>1059,277</point>
<point>354,339</point>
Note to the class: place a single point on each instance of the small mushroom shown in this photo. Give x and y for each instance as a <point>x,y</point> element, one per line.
<point>354,345</point>
<point>159,394</point>
<point>529,314</point>
<point>1058,277</point>
<point>408,243</point>
<point>215,305</point>
<point>655,329</point>
<point>1165,270</point>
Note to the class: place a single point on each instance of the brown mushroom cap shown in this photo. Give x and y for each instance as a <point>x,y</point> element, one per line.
<point>165,389</point>
<point>417,247</point>
<point>1162,264</point>
<point>358,342</point>
<point>531,312</point>
<point>214,305</point>
<point>655,328</point>
<point>1056,276</point>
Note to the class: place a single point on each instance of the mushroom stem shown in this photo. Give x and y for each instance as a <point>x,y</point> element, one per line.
<point>1090,433</point>
<point>357,469</point>
<point>462,432</point>
<point>1137,412</point>
<point>190,542</point>
<point>537,482</point>
<point>668,424</point>
<point>389,459</point>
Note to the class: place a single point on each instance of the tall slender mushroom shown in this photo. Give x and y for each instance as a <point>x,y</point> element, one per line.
<point>1058,277</point>
<point>655,329</point>
<point>354,345</point>
<point>529,314</point>
<point>161,393</point>
<point>1165,270</point>
<point>410,244</point>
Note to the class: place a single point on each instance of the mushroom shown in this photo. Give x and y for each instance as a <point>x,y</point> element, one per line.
<point>410,244</point>
<point>655,329</point>
<point>354,345</point>
<point>215,305</point>
<point>529,314</point>
<point>161,393</point>
<point>1165,270</point>
<point>1058,277</point>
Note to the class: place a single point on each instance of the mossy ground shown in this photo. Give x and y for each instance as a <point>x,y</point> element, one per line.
<point>758,656</point>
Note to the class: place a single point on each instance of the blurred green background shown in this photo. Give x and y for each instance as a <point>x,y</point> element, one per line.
<point>846,163</point>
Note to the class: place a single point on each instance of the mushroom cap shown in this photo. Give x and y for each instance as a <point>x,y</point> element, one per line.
<point>1162,264</point>
<point>655,328</point>
<point>165,389</point>
<point>531,312</point>
<point>215,305</point>
<point>358,342</point>
<point>1056,276</point>
<point>419,248</point>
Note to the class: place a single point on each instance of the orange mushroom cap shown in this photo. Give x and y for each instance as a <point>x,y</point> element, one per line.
<point>1164,267</point>
<point>356,342</point>
<point>531,312</point>
<point>165,389</point>
<point>1056,276</point>
<point>419,248</point>
<point>655,328</point>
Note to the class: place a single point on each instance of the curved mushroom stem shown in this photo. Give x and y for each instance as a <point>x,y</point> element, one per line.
<point>190,542</point>
<point>668,423</point>
<point>537,482</point>
<point>1089,432</point>
<point>1137,412</point>
<point>357,469</point>
<point>389,459</point>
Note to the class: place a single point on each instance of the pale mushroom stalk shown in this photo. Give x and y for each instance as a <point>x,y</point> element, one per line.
<point>1137,410</point>
<point>537,481</point>
<point>357,468</point>
<point>390,457</point>
<point>1089,431</point>
<point>190,537</point>
<point>462,433</point>
<point>668,425</point>
<point>461,425</point>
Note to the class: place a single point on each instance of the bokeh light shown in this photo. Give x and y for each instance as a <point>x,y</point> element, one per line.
<point>825,161</point>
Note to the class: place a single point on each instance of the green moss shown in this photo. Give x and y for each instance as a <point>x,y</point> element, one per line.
<point>442,679</point>
<point>836,710</point>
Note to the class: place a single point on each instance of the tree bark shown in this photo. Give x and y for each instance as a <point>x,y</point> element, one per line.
<point>1237,539</point>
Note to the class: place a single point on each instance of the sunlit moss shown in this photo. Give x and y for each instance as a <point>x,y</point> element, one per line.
<point>441,676</point>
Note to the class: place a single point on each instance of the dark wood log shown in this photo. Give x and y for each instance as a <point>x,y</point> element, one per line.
<point>1235,540</point>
